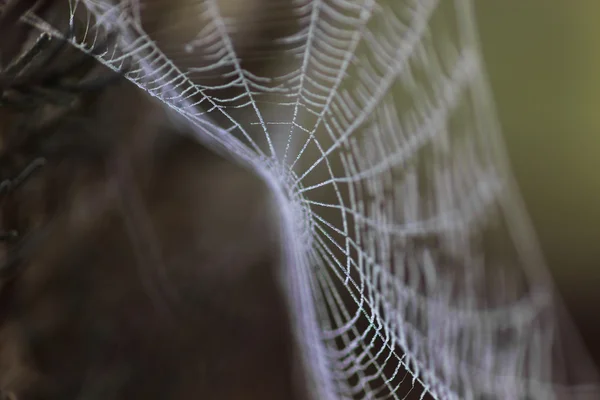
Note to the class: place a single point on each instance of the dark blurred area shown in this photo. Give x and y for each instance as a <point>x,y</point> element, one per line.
<point>543,58</point>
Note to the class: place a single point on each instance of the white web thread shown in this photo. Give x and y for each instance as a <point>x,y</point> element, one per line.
<point>393,190</point>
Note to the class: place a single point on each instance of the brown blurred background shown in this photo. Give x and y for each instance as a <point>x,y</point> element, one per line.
<point>543,61</point>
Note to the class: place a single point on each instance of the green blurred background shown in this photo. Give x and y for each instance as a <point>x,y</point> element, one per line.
<point>543,61</point>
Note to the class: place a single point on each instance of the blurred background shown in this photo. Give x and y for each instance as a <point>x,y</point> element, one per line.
<point>543,62</point>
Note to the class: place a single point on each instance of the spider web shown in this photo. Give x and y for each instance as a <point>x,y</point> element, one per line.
<point>411,266</point>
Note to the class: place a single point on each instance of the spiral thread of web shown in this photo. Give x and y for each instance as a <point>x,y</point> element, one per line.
<point>414,266</point>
